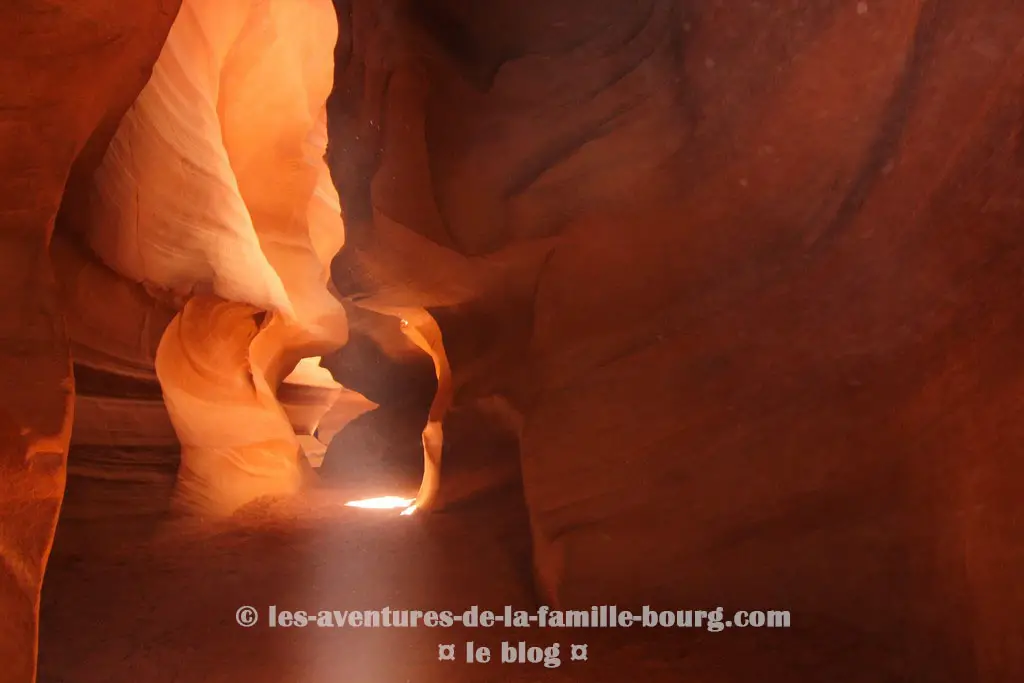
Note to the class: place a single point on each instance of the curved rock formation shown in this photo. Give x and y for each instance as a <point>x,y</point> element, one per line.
<point>53,112</point>
<point>215,182</point>
<point>185,193</point>
<point>742,269</point>
<point>740,281</point>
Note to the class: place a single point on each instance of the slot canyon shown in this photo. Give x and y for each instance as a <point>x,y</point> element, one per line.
<point>440,304</point>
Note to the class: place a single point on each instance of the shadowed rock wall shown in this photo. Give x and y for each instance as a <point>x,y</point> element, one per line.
<point>750,275</point>
<point>67,75</point>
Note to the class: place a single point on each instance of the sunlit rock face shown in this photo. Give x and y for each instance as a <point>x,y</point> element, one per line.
<point>214,181</point>
<point>742,280</point>
<point>214,185</point>
<point>217,364</point>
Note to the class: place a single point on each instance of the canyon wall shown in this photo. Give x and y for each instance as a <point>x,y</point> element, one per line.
<point>746,275</point>
<point>213,191</point>
<point>742,280</point>
<point>65,81</point>
<point>180,154</point>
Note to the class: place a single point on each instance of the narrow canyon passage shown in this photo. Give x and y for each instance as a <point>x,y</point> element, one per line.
<point>686,304</point>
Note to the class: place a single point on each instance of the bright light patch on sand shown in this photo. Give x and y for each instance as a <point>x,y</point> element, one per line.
<point>383,503</point>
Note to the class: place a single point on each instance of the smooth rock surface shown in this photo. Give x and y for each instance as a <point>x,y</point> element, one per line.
<point>67,72</point>
<point>722,303</point>
<point>214,185</point>
<point>749,273</point>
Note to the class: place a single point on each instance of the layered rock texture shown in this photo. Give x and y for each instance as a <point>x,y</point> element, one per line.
<point>58,106</point>
<point>214,188</point>
<point>195,232</point>
<point>731,290</point>
<point>749,274</point>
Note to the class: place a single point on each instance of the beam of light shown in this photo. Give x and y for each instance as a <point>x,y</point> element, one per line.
<point>382,503</point>
<point>409,510</point>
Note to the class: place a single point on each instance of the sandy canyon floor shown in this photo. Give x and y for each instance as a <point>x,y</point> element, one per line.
<point>151,598</point>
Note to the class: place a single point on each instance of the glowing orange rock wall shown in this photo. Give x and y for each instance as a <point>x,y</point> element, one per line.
<point>220,364</point>
<point>215,185</point>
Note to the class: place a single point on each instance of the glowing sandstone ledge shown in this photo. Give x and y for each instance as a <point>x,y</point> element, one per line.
<point>214,195</point>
